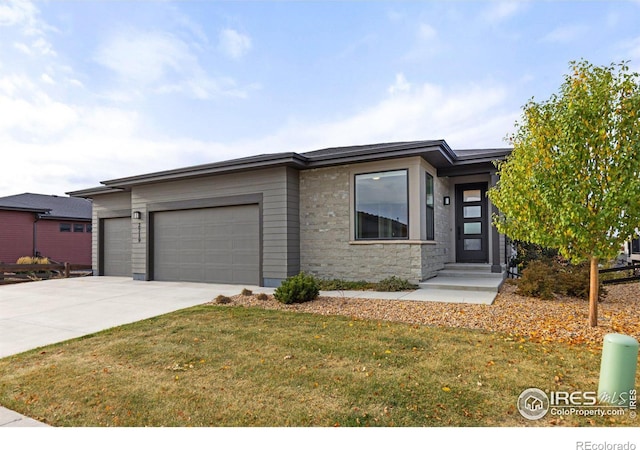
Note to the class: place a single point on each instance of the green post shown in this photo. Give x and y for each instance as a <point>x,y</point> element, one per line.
<point>618,369</point>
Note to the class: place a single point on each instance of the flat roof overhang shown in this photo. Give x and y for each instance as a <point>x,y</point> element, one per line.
<point>436,152</point>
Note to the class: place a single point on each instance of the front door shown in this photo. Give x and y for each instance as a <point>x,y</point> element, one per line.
<point>472,244</point>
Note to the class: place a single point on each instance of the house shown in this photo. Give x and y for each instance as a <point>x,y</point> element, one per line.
<point>45,225</point>
<point>356,213</point>
<point>632,251</point>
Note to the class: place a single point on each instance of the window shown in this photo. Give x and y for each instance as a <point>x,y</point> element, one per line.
<point>78,228</point>
<point>430,209</point>
<point>89,228</point>
<point>382,205</point>
<point>65,227</point>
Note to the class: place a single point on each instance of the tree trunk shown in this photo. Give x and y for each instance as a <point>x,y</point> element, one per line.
<point>593,293</point>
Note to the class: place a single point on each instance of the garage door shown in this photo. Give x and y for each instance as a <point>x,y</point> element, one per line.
<point>117,247</point>
<point>215,245</point>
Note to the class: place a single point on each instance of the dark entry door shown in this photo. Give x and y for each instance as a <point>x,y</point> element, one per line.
<point>472,243</point>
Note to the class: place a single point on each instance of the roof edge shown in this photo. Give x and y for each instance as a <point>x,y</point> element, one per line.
<point>90,192</point>
<point>234,165</point>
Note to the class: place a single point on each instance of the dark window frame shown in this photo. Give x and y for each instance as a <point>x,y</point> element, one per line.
<point>65,227</point>
<point>355,206</point>
<point>89,228</point>
<point>78,228</point>
<point>430,214</point>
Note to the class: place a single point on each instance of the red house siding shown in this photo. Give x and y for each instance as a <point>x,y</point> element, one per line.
<point>16,235</point>
<point>16,239</point>
<point>70,246</point>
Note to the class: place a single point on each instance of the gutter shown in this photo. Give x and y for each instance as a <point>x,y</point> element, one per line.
<point>35,234</point>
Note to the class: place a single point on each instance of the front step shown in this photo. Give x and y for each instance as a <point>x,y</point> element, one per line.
<point>465,277</point>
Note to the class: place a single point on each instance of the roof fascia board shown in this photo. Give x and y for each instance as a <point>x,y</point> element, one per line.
<point>64,218</point>
<point>375,155</point>
<point>24,209</point>
<point>288,159</point>
<point>467,169</point>
<point>91,192</point>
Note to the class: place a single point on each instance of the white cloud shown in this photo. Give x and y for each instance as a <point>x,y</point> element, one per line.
<point>426,32</point>
<point>28,111</point>
<point>499,11</point>
<point>77,147</point>
<point>17,12</point>
<point>144,57</point>
<point>467,116</point>
<point>234,44</point>
<point>47,79</point>
<point>401,85</point>
<point>163,63</point>
<point>565,34</point>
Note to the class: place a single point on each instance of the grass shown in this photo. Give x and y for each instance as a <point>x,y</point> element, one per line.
<point>233,366</point>
<point>390,284</point>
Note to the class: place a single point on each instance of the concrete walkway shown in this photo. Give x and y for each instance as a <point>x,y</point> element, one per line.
<point>36,314</point>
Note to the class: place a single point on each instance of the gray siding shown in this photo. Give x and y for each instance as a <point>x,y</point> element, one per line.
<point>277,188</point>
<point>293,222</point>
<point>106,206</point>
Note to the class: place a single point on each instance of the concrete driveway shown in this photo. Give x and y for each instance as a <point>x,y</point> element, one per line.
<point>45,312</point>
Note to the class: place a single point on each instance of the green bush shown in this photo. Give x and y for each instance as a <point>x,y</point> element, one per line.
<point>222,300</point>
<point>297,289</point>
<point>538,280</point>
<point>394,284</point>
<point>344,285</point>
<point>544,278</point>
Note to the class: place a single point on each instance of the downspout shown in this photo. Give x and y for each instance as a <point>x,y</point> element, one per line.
<point>35,234</point>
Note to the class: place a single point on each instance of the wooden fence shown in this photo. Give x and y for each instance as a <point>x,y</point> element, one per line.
<point>16,273</point>
<point>634,275</point>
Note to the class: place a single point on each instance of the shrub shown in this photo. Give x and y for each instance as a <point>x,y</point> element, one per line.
<point>527,252</point>
<point>344,285</point>
<point>222,300</point>
<point>32,260</point>
<point>246,292</point>
<point>394,284</point>
<point>544,278</point>
<point>537,280</point>
<point>297,289</point>
<point>262,296</point>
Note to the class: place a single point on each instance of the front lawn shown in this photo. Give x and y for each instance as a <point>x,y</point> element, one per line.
<point>237,366</point>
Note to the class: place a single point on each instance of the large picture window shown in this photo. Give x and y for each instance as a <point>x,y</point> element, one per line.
<point>382,205</point>
<point>430,209</point>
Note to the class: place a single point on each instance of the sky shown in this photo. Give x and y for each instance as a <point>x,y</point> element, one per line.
<point>97,90</point>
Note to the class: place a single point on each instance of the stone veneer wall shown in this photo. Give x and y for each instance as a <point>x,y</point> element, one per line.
<point>325,248</point>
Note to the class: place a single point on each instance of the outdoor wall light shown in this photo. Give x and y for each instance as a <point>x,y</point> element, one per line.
<point>137,215</point>
<point>447,200</point>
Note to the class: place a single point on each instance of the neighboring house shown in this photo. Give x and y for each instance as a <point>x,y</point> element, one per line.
<point>632,250</point>
<point>355,213</point>
<point>45,225</point>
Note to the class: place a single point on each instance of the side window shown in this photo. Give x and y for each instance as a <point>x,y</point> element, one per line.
<point>382,205</point>
<point>78,228</point>
<point>89,228</point>
<point>65,227</point>
<point>430,211</point>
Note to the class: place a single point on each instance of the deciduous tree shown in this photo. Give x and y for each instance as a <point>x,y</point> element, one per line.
<point>572,181</point>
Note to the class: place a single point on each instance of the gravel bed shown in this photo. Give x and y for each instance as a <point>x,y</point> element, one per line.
<point>562,319</point>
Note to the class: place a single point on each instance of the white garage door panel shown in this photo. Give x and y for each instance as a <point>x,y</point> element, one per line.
<point>216,245</point>
<point>117,247</point>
